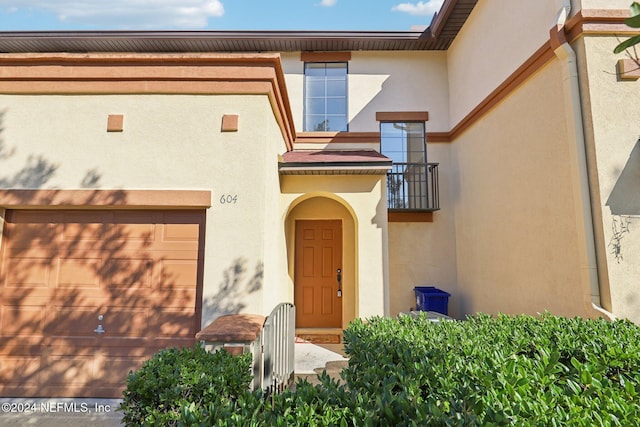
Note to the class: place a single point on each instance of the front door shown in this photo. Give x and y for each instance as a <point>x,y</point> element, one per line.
<point>318,271</point>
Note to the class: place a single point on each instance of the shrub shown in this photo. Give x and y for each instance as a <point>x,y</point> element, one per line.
<point>506,370</point>
<point>485,371</point>
<point>175,379</point>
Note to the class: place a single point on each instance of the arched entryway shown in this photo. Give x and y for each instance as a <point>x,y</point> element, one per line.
<point>321,239</point>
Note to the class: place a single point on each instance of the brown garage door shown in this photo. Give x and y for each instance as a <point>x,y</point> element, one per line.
<point>88,295</point>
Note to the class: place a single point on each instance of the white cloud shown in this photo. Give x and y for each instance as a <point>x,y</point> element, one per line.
<point>422,8</point>
<point>328,3</point>
<point>126,13</point>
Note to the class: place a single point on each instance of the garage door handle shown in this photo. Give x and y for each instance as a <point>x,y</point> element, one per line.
<point>99,330</point>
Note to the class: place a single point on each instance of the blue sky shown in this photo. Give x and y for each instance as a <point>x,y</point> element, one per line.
<point>366,15</point>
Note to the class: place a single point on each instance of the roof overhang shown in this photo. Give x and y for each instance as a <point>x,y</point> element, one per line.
<point>439,36</point>
<point>336,162</point>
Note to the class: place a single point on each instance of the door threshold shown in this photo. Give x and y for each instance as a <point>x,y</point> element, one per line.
<point>319,335</point>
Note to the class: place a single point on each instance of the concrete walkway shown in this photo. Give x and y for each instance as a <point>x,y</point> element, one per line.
<point>311,359</point>
<point>59,412</point>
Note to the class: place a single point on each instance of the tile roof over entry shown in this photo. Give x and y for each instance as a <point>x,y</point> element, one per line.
<point>334,162</point>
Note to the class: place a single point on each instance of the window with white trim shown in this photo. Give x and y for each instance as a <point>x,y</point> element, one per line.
<point>325,97</point>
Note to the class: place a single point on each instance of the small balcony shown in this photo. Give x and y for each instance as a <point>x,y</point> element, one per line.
<point>413,187</point>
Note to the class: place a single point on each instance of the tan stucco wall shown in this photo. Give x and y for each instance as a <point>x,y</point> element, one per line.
<point>498,37</point>
<point>603,4</point>
<point>168,142</point>
<point>276,266</point>
<point>516,233</point>
<point>374,83</point>
<point>359,202</point>
<point>424,254</point>
<point>611,130</point>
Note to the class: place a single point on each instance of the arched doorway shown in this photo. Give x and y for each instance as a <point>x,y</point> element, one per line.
<point>321,239</point>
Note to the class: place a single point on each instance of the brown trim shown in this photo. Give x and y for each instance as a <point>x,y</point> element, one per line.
<point>358,137</point>
<point>337,137</point>
<point>557,36</point>
<point>540,58</point>
<point>115,123</point>
<point>402,116</point>
<point>628,69</point>
<point>590,21</point>
<point>437,137</point>
<point>229,123</point>
<point>105,199</point>
<point>325,56</point>
<point>126,73</point>
<point>598,21</point>
<point>410,216</point>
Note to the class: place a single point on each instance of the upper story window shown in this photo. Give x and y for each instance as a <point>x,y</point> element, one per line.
<point>325,96</point>
<point>412,184</point>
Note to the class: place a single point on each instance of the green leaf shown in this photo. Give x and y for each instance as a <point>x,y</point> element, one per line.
<point>575,363</point>
<point>633,22</point>
<point>627,44</point>
<point>635,8</point>
<point>575,388</point>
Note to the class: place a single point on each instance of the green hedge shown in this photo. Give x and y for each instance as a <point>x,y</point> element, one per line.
<point>175,379</point>
<point>523,370</point>
<point>497,371</point>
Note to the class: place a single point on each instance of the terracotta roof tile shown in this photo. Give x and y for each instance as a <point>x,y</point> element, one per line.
<point>334,157</point>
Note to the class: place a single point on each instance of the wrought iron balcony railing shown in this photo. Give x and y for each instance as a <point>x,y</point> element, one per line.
<point>413,187</point>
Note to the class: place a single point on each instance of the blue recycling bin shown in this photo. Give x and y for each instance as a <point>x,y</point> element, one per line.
<point>430,298</point>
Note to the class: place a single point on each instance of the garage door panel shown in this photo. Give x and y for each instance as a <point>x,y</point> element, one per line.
<point>133,236</point>
<point>76,321</point>
<point>25,346</point>
<point>126,322</point>
<point>128,273</point>
<point>67,370</point>
<point>160,343</point>
<point>34,230</point>
<point>85,230</point>
<point>20,369</point>
<point>179,298</point>
<point>20,320</point>
<point>180,233</point>
<point>134,226</point>
<point>62,269</point>
<point>104,376</point>
<point>27,271</point>
<point>79,272</point>
<point>177,322</point>
<point>178,273</point>
<point>161,300</point>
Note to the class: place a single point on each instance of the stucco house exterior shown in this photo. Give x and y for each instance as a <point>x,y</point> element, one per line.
<point>152,181</point>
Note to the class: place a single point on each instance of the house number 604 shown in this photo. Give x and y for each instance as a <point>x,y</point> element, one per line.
<point>226,199</point>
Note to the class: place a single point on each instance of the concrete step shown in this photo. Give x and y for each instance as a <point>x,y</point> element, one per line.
<point>333,369</point>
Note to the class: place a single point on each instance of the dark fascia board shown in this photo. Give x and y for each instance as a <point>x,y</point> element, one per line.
<point>212,41</point>
<point>228,41</point>
<point>438,21</point>
<point>206,34</point>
